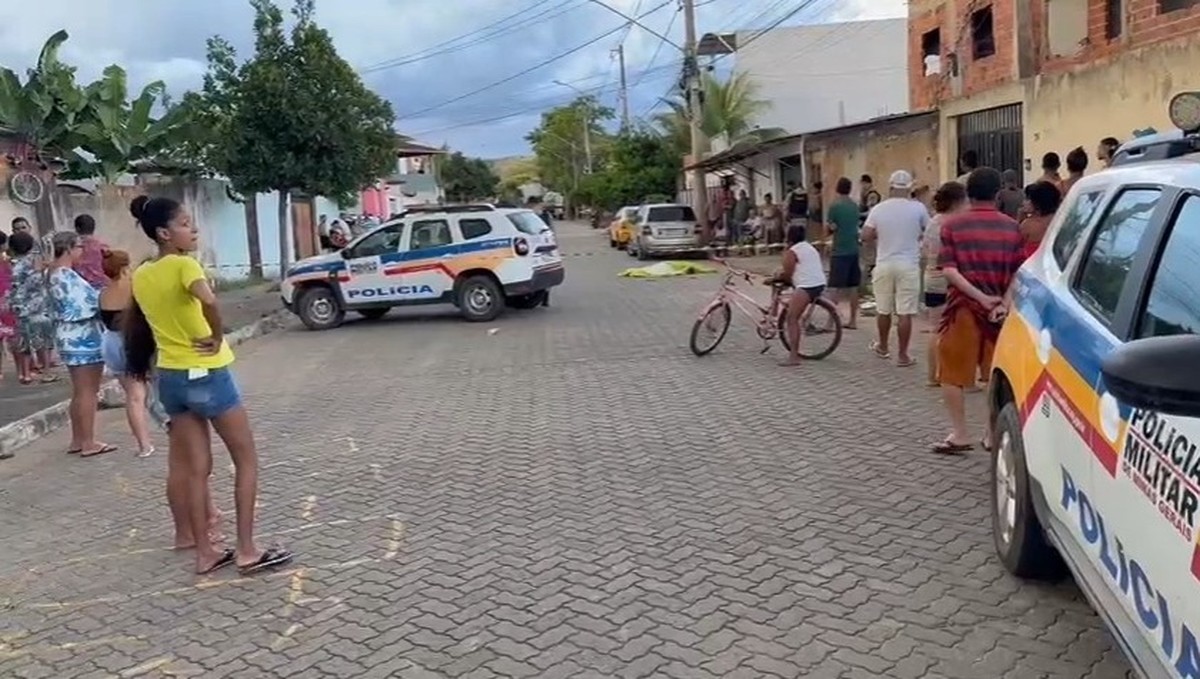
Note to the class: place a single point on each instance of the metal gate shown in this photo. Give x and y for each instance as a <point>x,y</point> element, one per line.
<point>996,135</point>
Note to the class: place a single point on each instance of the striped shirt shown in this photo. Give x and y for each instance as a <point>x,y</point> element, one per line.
<point>985,246</point>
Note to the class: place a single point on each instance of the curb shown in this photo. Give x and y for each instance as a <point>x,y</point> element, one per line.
<point>33,427</point>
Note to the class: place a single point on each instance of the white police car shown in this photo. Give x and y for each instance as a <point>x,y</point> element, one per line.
<point>1095,396</point>
<point>478,257</point>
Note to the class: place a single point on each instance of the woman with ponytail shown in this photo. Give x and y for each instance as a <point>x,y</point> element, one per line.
<point>175,317</point>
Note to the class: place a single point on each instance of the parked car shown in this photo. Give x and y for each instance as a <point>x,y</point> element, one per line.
<point>1095,398</point>
<point>620,230</point>
<point>478,257</point>
<point>665,229</point>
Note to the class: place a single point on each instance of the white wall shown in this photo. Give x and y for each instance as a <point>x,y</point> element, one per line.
<point>828,75</point>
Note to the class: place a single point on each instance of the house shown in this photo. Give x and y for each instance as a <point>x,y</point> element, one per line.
<point>412,182</point>
<point>1016,79</point>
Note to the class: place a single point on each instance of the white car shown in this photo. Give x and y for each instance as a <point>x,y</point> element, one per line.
<point>1095,398</point>
<point>478,257</point>
<point>665,229</point>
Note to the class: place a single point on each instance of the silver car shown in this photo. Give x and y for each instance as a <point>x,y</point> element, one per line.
<point>665,229</point>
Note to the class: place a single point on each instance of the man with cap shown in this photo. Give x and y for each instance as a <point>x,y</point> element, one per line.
<point>896,226</point>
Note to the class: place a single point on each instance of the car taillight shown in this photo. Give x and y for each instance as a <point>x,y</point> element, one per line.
<point>646,231</point>
<point>698,229</point>
<point>521,246</point>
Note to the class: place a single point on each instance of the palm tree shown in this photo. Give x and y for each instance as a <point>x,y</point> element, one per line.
<point>728,113</point>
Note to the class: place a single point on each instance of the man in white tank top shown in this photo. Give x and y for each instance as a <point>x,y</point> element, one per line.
<point>802,269</point>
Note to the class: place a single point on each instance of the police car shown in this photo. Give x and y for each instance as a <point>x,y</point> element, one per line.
<point>478,257</point>
<point>1095,397</point>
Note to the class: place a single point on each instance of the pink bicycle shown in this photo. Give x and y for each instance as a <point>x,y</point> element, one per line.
<point>821,326</point>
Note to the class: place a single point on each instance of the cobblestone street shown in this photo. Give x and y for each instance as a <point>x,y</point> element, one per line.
<point>571,495</point>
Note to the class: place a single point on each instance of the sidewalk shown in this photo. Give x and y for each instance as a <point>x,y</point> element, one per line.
<point>241,307</point>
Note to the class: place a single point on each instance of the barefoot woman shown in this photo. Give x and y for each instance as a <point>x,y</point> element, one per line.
<point>176,312</point>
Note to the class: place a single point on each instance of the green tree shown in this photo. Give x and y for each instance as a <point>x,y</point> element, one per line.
<point>559,146</point>
<point>466,179</point>
<point>641,164</point>
<point>294,117</point>
<point>728,111</point>
<point>44,112</point>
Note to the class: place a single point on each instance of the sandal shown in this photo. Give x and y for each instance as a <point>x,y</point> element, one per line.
<point>270,558</point>
<point>875,349</point>
<point>106,448</point>
<point>49,378</point>
<point>948,447</point>
<point>906,364</point>
<point>227,557</point>
<point>25,381</point>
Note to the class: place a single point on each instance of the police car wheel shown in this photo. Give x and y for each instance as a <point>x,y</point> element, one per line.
<point>480,299</point>
<point>1016,531</point>
<point>319,309</point>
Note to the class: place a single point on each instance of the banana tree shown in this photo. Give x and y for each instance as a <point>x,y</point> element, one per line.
<point>117,132</point>
<point>44,112</point>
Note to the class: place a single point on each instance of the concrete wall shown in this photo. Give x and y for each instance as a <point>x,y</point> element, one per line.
<point>221,221</point>
<point>878,150</point>
<point>827,75</point>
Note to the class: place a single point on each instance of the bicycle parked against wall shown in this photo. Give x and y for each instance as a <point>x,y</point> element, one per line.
<point>821,327</point>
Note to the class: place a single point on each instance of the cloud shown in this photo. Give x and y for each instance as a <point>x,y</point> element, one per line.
<point>155,40</point>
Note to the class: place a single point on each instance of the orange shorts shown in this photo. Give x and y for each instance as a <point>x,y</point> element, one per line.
<point>964,352</point>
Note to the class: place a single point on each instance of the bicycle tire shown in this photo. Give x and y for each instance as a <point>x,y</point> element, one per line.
<point>825,304</point>
<point>694,344</point>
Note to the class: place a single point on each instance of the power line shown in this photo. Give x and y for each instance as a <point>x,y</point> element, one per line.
<point>657,51</point>
<point>533,68</point>
<point>486,34</point>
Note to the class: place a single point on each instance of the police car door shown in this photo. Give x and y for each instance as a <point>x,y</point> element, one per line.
<point>368,282</point>
<point>1150,503</point>
<point>429,260</point>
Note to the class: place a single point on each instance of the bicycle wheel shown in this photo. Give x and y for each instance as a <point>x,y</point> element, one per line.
<point>821,328</point>
<point>715,323</point>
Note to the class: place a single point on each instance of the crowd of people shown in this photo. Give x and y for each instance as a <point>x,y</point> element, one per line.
<point>953,251</point>
<point>71,300</point>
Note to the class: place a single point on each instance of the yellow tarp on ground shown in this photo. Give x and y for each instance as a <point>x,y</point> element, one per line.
<point>664,269</point>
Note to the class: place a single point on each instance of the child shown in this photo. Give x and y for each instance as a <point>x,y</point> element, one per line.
<point>802,269</point>
<point>8,320</point>
<point>951,197</point>
<point>29,298</point>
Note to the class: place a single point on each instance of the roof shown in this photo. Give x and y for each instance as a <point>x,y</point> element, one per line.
<point>406,148</point>
<point>740,152</point>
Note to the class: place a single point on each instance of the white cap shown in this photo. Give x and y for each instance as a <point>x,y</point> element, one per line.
<point>901,179</point>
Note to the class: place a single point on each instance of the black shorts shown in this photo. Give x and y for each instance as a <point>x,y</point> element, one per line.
<point>844,272</point>
<point>813,292</point>
<point>934,300</point>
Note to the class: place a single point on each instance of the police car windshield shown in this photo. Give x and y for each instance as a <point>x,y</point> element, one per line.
<point>527,222</point>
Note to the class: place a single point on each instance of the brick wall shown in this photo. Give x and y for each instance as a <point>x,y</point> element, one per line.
<point>1143,25</point>
<point>953,18</point>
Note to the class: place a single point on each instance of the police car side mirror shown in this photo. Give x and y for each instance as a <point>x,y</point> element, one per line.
<point>345,253</point>
<point>1160,374</point>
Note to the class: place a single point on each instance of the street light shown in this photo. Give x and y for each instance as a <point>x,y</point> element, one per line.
<point>587,126</point>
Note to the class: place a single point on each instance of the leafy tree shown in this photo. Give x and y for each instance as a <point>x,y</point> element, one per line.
<point>558,142</point>
<point>728,112</point>
<point>641,164</point>
<point>44,111</point>
<point>466,179</point>
<point>294,117</point>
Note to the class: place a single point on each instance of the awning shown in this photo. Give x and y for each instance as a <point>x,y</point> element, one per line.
<point>739,152</point>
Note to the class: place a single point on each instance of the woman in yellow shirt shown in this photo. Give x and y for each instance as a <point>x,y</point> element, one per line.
<point>175,313</point>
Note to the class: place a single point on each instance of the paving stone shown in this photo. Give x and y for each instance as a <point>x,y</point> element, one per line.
<point>573,495</point>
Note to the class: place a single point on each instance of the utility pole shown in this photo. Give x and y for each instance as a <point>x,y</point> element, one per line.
<point>691,72</point>
<point>624,88</point>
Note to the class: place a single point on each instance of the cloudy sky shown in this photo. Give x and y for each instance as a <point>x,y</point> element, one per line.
<point>435,60</point>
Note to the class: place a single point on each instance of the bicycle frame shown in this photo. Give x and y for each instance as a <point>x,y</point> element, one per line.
<point>761,316</point>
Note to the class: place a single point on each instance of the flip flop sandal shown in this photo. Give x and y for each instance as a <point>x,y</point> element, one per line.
<point>49,379</point>
<point>269,559</point>
<point>109,448</point>
<point>881,354</point>
<point>906,364</point>
<point>74,451</point>
<point>227,558</point>
<point>952,449</point>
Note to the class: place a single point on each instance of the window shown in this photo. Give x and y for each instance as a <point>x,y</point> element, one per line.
<point>670,213</point>
<point>527,222</point>
<point>1066,26</point>
<point>931,51</point>
<point>474,228</point>
<point>1074,226</point>
<point>1114,18</point>
<point>430,233</point>
<point>1173,307</point>
<point>983,37</point>
<point>380,242</point>
<point>1113,247</point>
<point>1165,6</point>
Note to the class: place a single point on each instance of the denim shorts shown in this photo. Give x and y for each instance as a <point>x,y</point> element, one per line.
<point>209,397</point>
